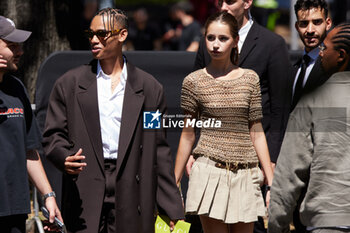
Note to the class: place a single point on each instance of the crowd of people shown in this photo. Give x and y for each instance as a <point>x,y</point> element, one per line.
<point>282,149</point>
<point>181,32</point>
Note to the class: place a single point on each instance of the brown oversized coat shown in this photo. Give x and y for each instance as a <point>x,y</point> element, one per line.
<point>145,175</point>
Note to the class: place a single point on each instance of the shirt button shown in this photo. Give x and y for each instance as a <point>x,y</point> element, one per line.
<point>137,177</point>
<point>139,209</point>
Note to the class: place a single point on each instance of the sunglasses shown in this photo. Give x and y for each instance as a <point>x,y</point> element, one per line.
<point>101,34</point>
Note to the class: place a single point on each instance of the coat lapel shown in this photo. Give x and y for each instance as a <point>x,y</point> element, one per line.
<point>317,76</point>
<point>295,68</point>
<point>249,43</point>
<point>87,98</point>
<point>294,73</point>
<point>132,106</point>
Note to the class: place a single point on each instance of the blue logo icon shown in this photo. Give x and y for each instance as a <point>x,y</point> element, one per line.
<point>151,120</point>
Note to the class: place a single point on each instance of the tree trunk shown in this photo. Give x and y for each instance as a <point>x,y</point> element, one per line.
<point>38,16</point>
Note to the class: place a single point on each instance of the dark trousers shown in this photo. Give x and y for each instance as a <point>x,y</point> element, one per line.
<point>13,223</point>
<point>196,226</point>
<point>108,221</point>
<point>259,226</point>
<point>299,227</point>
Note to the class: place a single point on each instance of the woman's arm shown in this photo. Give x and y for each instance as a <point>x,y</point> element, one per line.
<point>258,138</point>
<point>187,140</point>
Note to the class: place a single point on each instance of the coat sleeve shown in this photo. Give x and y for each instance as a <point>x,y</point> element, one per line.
<point>56,142</point>
<point>168,194</point>
<point>278,72</point>
<point>292,171</point>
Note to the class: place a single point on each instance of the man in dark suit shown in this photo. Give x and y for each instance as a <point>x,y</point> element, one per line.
<point>115,172</point>
<point>307,74</point>
<point>312,25</point>
<point>266,53</point>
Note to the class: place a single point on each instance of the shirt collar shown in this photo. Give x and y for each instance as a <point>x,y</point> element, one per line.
<point>245,29</point>
<point>123,76</point>
<point>313,53</point>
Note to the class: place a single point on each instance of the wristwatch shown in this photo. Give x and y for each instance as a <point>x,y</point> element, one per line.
<point>50,194</point>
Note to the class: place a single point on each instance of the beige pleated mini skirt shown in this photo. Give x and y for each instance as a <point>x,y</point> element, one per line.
<point>225,195</point>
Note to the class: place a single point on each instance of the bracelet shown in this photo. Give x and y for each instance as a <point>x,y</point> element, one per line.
<point>267,188</point>
<point>50,194</point>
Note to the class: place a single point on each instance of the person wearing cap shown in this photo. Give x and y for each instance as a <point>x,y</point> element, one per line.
<point>19,140</point>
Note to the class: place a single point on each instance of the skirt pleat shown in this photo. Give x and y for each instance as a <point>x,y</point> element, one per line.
<point>220,198</point>
<point>225,195</point>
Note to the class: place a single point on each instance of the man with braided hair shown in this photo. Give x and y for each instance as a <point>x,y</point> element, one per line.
<point>115,173</point>
<point>315,154</point>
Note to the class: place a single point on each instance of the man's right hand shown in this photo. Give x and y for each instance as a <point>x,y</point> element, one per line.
<point>189,165</point>
<point>73,164</point>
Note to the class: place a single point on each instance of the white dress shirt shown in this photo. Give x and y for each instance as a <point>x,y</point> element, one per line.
<point>243,32</point>
<point>313,54</point>
<point>110,107</point>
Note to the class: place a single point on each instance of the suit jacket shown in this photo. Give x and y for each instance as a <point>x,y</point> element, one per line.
<point>316,78</point>
<point>266,53</point>
<point>145,174</point>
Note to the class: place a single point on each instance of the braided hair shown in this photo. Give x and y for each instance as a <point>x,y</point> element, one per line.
<point>341,40</point>
<point>114,17</point>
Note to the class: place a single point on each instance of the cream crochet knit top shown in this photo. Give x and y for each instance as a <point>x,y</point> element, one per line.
<point>235,103</point>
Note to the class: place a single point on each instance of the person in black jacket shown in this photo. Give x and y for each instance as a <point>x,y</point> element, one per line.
<point>307,74</point>
<point>19,140</point>
<point>312,25</point>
